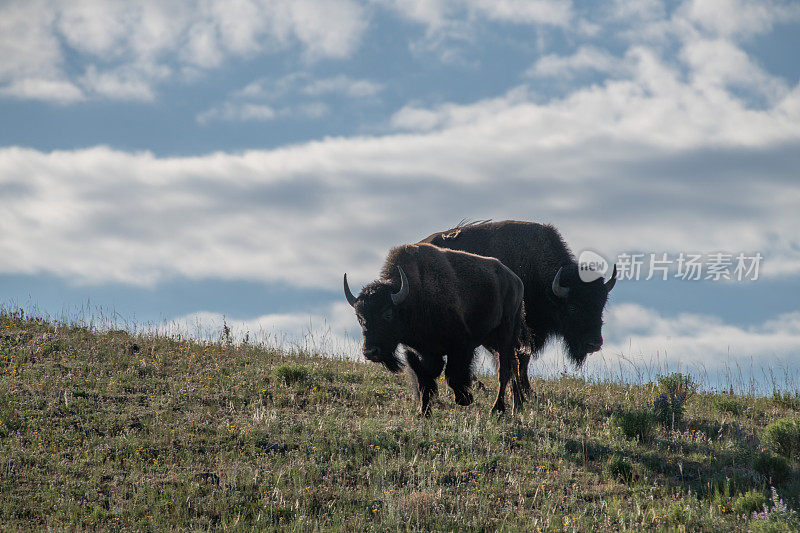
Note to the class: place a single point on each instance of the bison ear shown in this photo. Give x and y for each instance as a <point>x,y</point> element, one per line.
<point>612,280</point>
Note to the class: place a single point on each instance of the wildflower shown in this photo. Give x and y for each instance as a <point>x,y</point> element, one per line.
<point>779,509</point>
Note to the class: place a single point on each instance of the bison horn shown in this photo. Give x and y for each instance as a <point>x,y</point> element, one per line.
<point>558,289</point>
<point>350,298</point>
<point>402,294</point>
<point>612,280</point>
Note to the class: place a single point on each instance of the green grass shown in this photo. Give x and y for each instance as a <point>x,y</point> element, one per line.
<point>634,424</point>
<point>783,437</point>
<point>787,400</point>
<point>726,404</point>
<point>774,468</point>
<point>750,502</point>
<point>108,430</point>
<point>290,373</point>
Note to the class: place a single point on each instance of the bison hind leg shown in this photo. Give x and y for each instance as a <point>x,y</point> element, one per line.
<point>499,406</point>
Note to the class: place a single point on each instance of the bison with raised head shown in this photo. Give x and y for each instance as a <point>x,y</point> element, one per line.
<point>557,302</point>
<point>439,303</point>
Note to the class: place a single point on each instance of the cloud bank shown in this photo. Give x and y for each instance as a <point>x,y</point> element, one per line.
<point>67,52</point>
<point>640,344</point>
<point>123,49</point>
<point>655,161</point>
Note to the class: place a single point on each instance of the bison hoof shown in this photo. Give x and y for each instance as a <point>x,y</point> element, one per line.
<point>499,408</point>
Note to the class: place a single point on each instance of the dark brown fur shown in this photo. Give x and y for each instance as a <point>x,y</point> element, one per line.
<point>535,252</point>
<point>457,302</point>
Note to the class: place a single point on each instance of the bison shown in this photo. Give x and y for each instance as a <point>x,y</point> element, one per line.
<point>557,302</point>
<point>439,303</point>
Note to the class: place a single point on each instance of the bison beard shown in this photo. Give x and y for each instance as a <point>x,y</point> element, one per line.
<point>557,302</point>
<point>441,303</point>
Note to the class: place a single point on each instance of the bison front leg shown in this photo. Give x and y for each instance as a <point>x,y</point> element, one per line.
<point>458,373</point>
<point>425,370</point>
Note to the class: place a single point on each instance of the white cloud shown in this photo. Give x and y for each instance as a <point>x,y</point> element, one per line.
<point>651,22</point>
<point>664,149</point>
<point>586,58</point>
<point>120,84</point>
<point>739,18</point>
<point>312,110</point>
<point>638,10</point>
<point>51,90</point>
<point>291,96</point>
<point>272,89</point>
<point>655,106</point>
<point>553,12</point>
<point>125,49</point>
<point>329,331</point>
<point>718,64</point>
<point>93,27</point>
<point>416,119</point>
<point>641,343</point>
<point>353,88</point>
<point>328,29</point>
<point>449,115</point>
<point>147,38</point>
<point>247,112</point>
<point>644,164</point>
<point>30,56</point>
<point>450,24</point>
<point>438,14</point>
<point>238,112</point>
<point>301,83</point>
<point>432,13</point>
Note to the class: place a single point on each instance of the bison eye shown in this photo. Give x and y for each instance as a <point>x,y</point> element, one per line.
<point>388,315</point>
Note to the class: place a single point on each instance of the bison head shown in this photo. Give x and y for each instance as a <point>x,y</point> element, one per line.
<point>580,310</point>
<point>377,312</point>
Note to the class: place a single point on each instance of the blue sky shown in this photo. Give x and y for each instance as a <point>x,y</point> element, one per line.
<point>203,159</point>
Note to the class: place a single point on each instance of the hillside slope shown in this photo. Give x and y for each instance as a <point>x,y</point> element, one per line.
<point>108,430</point>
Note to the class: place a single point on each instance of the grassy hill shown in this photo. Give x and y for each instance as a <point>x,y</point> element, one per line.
<point>107,430</point>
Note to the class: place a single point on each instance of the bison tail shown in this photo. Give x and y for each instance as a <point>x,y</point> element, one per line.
<point>524,350</point>
<point>523,335</point>
<point>525,340</point>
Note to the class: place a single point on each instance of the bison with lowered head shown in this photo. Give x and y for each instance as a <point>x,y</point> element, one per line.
<point>557,302</point>
<point>441,303</point>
